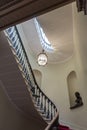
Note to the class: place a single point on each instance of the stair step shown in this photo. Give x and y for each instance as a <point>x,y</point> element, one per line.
<point>41,111</point>
<point>48,120</point>
<point>37,106</point>
<point>35,103</point>
<point>43,115</point>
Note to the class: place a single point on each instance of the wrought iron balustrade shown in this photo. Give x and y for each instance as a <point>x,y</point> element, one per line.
<point>46,106</point>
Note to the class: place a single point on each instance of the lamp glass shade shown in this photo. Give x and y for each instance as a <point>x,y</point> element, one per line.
<point>42,59</point>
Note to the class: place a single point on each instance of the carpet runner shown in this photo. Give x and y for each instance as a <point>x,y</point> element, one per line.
<point>62,127</point>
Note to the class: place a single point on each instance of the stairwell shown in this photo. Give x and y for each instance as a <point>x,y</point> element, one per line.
<point>18,82</point>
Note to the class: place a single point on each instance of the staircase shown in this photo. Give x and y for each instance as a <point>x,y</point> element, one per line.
<point>20,83</point>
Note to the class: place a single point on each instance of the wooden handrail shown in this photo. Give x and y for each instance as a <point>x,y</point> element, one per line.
<point>52,122</point>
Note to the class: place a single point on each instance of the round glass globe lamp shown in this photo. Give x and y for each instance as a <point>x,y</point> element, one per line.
<point>42,59</point>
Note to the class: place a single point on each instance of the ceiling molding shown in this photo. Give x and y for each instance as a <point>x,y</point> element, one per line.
<point>7,3</point>
<point>17,11</point>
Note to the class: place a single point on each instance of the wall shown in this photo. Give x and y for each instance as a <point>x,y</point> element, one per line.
<point>54,76</point>
<point>80,42</point>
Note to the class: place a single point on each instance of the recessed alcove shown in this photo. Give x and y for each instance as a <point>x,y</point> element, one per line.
<point>38,76</point>
<point>72,87</point>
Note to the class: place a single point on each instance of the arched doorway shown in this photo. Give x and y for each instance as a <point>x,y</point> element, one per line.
<point>38,76</point>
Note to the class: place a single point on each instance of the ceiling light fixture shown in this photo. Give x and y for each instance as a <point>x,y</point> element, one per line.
<point>42,58</point>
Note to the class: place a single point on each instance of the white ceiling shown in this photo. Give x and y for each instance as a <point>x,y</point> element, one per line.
<point>58,27</point>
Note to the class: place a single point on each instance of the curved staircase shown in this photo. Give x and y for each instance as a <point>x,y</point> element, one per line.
<point>20,84</point>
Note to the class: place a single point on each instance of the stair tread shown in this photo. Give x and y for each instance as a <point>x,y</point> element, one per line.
<point>40,110</point>
<point>37,106</point>
<point>48,120</point>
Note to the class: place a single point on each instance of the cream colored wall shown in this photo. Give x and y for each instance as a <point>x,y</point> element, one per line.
<point>54,77</point>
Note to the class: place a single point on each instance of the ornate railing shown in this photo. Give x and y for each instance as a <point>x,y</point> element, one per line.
<point>47,107</point>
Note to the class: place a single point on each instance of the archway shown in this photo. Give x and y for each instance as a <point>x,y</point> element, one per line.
<point>72,86</point>
<point>38,76</point>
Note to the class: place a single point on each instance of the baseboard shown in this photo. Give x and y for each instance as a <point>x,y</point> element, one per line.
<point>72,126</point>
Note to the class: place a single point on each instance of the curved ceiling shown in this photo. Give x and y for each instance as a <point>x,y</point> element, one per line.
<point>58,27</point>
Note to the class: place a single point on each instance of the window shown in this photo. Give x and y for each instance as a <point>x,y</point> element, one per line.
<point>46,45</point>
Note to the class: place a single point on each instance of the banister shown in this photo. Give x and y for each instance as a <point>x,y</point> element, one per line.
<point>49,127</point>
<point>40,97</point>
